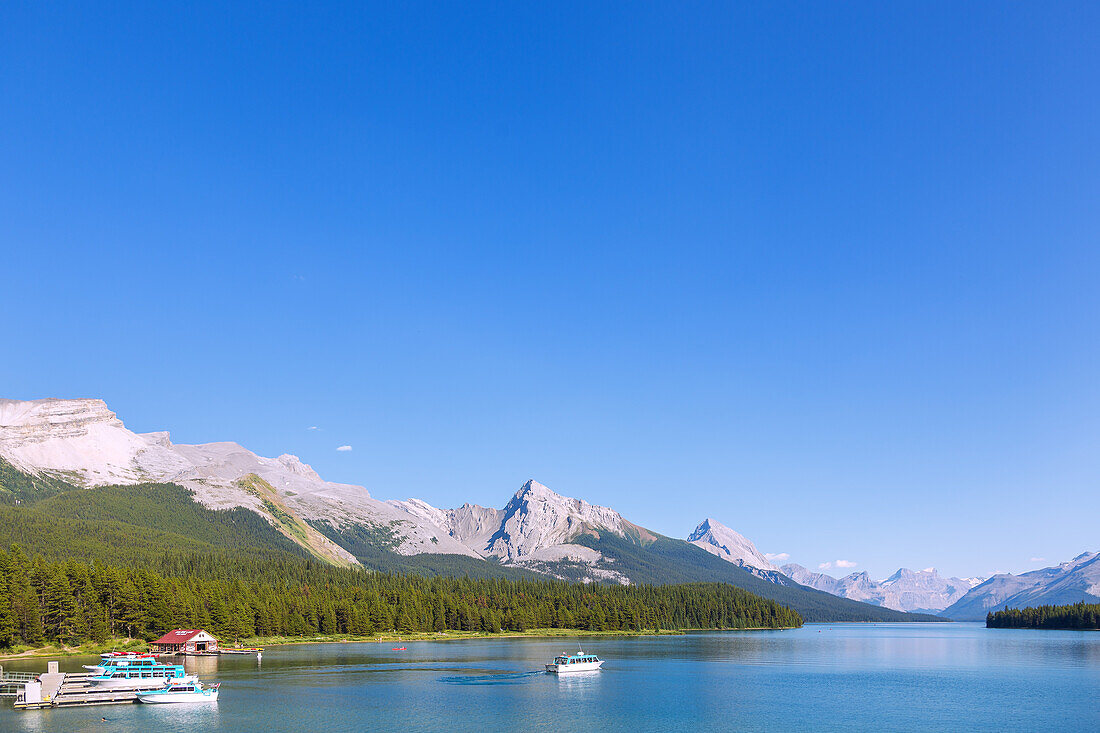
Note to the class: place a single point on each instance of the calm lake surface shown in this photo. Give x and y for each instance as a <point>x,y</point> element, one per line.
<point>821,677</point>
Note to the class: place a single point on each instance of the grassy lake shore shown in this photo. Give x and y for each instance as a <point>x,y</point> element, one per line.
<point>138,645</point>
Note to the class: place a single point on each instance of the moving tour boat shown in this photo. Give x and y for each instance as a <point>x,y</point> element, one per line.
<point>134,672</point>
<point>579,662</point>
<point>180,692</point>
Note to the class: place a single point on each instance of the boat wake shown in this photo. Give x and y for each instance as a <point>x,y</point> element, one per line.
<point>509,678</point>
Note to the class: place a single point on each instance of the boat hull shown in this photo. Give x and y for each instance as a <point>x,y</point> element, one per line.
<point>573,668</point>
<point>138,683</point>
<point>157,698</point>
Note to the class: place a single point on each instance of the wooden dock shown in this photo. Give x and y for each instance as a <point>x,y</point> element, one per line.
<point>76,689</point>
<point>61,689</point>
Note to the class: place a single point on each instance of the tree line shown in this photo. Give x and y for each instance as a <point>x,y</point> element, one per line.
<point>71,602</point>
<point>1076,616</point>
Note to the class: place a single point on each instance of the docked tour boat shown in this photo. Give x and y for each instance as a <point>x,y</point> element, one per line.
<point>107,659</point>
<point>135,672</point>
<point>579,662</point>
<point>180,692</point>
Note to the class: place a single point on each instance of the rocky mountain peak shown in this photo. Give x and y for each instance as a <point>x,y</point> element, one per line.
<point>295,465</point>
<point>728,544</point>
<point>533,490</point>
<point>537,518</point>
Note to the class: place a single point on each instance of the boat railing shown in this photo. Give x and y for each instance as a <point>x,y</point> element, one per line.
<point>11,683</point>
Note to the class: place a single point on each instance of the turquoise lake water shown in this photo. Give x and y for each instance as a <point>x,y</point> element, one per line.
<point>948,677</point>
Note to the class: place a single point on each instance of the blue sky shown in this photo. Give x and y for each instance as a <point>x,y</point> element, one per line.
<point>826,272</point>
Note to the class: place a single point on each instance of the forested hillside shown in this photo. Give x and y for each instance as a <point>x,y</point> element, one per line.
<point>143,525</point>
<point>671,560</point>
<point>71,602</point>
<point>1074,616</point>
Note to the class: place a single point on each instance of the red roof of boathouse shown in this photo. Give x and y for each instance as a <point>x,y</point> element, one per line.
<point>178,636</point>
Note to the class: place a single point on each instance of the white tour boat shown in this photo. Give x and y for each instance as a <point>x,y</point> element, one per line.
<point>181,692</point>
<point>135,672</point>
<point>579,662</point>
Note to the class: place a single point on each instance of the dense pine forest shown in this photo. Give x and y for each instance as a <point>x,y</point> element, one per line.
<point>1075,616</point>
<point>71,602</point>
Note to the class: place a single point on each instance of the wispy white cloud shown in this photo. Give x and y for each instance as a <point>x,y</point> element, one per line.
<point>313,427</point>
<point>837,564</point>
<point>777,556</point>
<point>344,448</point>
<point>1038,559</point>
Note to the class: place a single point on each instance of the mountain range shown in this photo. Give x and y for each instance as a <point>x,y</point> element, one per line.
<point>1070,582</point>
<point>924,591</point>
<point>50,446</point>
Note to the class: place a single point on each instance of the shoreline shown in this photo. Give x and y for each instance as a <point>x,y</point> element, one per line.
<point>137,645</point>
<point>469,635</point>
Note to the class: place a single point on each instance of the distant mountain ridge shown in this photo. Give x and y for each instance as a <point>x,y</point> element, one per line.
<point>1075,581</point>
<point>921,591</point>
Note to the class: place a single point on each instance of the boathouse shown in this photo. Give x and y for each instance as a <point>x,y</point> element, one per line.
<point>186,641</point>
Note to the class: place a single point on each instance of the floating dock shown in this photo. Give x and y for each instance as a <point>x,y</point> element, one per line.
<point>61,689</point>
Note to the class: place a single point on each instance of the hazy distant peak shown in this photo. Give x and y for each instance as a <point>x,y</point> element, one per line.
<point>1068,582</point>
<point>905,590</point>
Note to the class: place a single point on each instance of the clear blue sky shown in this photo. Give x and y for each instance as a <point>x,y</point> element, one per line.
<point>826,272</point>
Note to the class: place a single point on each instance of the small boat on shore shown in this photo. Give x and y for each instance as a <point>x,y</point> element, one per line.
<point>180,692</point>
<point>579,662</point>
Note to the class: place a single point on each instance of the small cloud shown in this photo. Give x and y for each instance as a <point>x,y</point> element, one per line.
<point>777,556</point>
<point>824,566</point>
<point>846,563</point>
<point>313,427</point>
<point>344,448</point>
<point>929,570</point>
<point>1038,559</point>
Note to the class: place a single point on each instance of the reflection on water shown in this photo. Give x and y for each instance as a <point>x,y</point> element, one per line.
<point>205,667</point>
<point>508,678</point>
<point>829,677</point>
